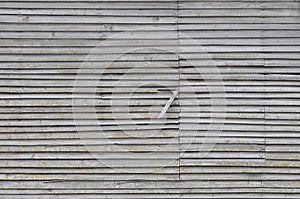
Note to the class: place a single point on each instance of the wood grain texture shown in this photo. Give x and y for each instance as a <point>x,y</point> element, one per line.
<point>233,132</point>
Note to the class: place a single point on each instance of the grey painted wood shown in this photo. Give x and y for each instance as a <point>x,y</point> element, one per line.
<point>196,149</point>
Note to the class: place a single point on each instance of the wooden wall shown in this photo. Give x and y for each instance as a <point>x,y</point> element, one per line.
<point>233,131</point>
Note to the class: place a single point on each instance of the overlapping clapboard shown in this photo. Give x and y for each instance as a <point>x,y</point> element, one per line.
<point>255,46</point>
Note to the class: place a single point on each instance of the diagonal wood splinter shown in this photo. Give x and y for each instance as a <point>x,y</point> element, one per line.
<point>168,104</point>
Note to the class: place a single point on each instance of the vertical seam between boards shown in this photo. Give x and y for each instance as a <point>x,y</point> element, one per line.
<point>178,84</point>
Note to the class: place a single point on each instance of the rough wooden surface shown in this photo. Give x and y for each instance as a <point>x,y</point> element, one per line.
<point>256,144</point>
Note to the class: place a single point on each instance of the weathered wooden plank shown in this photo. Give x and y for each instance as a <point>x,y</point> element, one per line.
<point>237,5</point>
<point>113,28</point>
<point>244,12</point>
<point>90,35</point>
<point>232,19</point>
<point>122,11</point>
<point>87,19</point>
<point>91,5</point>
<point>137,163</point>
<point>126,184</point>
<point>212,27</point>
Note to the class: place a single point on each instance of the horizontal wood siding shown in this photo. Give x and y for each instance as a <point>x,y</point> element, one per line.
<point>231,132</point>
